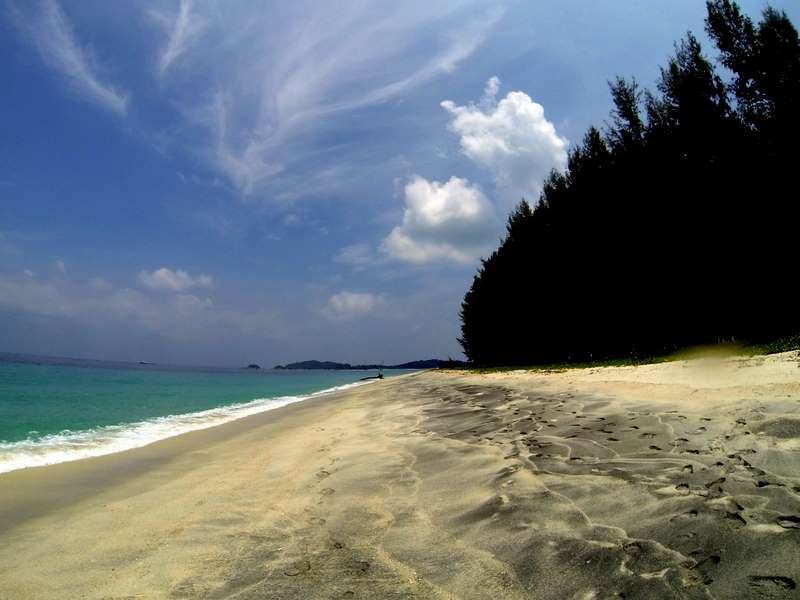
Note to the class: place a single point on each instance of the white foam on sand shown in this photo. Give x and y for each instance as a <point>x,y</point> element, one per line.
<point>74,445</point>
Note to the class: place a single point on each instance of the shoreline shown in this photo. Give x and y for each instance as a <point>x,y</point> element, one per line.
<point>72,480</point>
<point>57,448</point>
<point>674,480</point>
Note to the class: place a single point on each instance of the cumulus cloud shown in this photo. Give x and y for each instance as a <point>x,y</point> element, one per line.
<point>512,138</point>
<point>173,281</point>
<point>443,221</point>
<point>454,220</point>
<point>50,32</point>
<point>352,304</point>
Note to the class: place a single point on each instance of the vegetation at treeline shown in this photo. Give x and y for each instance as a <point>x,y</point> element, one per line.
<point>675,225</point>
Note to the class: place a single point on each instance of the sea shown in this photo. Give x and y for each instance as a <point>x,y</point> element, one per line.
<point>55,410</point>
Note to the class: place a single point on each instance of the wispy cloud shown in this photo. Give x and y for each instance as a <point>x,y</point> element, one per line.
<point>257,92</point>
<point>174,281</point>
<point>98,304</point>
<point>49,30</point>
<point>266,85</point>
<point>182,28</point>
<point>359,256</point>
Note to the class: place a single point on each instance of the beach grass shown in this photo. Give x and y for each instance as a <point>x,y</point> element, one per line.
<point>720,350</point>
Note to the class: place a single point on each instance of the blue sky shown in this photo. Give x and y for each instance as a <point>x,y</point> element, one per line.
<point>222,183</point>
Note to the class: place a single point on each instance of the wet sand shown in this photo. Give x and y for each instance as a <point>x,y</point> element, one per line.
<point>677,480</point>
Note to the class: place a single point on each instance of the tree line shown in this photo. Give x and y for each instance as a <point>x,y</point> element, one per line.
<point>674,224</point>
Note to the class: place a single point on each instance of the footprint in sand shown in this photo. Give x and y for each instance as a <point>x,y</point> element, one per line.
<point>770,584</point>
<point>688,469</point>
<point>703,566</point>
<point>736,518</point>
<point>652,447</point>
<point>361,565</point>
<point>298,568</point>
<point>647,436</point>
<point>687,515</point>
<point>789,522</point>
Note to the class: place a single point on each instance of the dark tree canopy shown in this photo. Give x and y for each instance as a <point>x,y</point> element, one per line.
<point>675,225</point>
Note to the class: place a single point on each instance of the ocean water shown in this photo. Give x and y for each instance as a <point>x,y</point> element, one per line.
<point>54,410</point>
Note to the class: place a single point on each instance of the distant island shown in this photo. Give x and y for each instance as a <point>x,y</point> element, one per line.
<point>432,363</point>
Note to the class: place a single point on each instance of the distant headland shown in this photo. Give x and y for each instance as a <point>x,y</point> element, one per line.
<point>431,363</point>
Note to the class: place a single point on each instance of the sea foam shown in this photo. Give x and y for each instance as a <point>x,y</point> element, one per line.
<point>69,445</point>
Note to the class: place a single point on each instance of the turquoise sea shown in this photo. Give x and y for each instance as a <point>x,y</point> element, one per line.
<point>58,409</point>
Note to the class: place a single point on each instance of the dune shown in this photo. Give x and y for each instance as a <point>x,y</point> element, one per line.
<point>673,480</point>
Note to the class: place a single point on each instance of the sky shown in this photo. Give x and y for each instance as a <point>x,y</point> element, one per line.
<point>224,183</point>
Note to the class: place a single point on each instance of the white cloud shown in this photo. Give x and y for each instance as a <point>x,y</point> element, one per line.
<point>51,33</point>
<point>512,138</point>
<point>174,281</point>
<point>352,304</point>
<point>356,255</point>
<point>260,84</point>
<point>98,303</point>
<point>443,221</point>
<point>98,284</point>
<point>182,29</point>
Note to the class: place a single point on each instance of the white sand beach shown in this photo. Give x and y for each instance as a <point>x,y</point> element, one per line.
<point>672,480</point>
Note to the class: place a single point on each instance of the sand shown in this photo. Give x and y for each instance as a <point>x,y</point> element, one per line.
<point>676,480</point>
